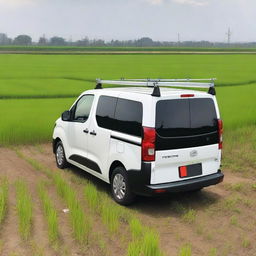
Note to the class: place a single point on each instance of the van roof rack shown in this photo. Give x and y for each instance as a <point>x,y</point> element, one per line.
<point>156,83</point>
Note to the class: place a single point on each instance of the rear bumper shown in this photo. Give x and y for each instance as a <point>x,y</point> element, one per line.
<point>141,185</point>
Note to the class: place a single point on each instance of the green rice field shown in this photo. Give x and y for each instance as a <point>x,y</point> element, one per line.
<point>35,89</point>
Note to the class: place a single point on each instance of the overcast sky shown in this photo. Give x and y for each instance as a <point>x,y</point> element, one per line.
<point>130,19</point>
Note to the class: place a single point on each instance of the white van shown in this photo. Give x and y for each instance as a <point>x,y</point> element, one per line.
<point>144,140</point>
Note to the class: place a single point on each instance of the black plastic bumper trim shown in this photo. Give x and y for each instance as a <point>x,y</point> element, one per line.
<point>86,162</point>
<point>190,184</point>
<point>139,181</point>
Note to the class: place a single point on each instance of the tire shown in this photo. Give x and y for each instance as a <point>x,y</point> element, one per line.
<point>120,187</point>
<point>195,190</point>
<point>60,157</point>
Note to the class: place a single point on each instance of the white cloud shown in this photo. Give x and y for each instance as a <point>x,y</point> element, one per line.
<point>188,2</point>
<point>155,2</point>
<point>192,2</point>
<point>15,3</point>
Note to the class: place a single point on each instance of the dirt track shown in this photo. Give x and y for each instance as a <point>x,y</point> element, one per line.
<point>210,228</point>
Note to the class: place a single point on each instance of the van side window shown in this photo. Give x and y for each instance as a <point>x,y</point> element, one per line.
<point>128,117</point>
<point>83,108</point>
<point>105,112</point>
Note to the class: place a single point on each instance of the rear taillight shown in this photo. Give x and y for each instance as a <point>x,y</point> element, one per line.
<point>148,144</point>
<point>220,131</point>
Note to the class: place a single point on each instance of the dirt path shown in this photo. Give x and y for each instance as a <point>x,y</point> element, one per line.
<point>218,219</point>
<point>14,168</point>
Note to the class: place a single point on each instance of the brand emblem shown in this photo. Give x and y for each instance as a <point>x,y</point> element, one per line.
<point>193,153</point>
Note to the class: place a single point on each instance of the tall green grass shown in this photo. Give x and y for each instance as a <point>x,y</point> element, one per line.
<point>145,242</point>
<point>50,214</point>
<point>110,216</point>
<point>237,106</point>
<point>3,198</point>
<point>185,250</point>
<point>24,209</point>
<point>42,88</point>
<point>29,121</point>
<point>92,196</point>
<point>110,213</point>
<point>60,75</point>
<point>32,120</point>
<point>81,224</point>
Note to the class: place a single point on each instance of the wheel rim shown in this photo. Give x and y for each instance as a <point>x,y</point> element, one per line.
<point>119,186</point>
<point>60,155</point>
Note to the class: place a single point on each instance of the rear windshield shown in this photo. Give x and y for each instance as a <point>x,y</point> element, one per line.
<point>185,117</point>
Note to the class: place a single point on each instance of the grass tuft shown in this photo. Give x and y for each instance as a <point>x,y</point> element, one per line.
<point>110,216</point>
<point>50,214</point>
<point>246,243</point>
<point>24,209</point>
<point>81,225</point>
<point>213,252</point>
<point>185,250</point>
<point>189,216</point>
<point>233,220</point>
<point>136,228</point>
<point>134,249</point>
<point>150,244</point>
<point>3,199</point>
<point>144,241</point>
<point>92,196</point>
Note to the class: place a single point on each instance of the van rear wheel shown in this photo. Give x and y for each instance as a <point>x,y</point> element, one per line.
<point>120,187</point>
<point>60,156</point>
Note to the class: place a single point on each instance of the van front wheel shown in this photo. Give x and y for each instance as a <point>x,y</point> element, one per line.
<point>60,156</point>
<point>120,187</point>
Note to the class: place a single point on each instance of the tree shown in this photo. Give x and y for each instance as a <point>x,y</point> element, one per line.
<point>145,41</point>
<point>98,42</point>
<point>83,42</point>
<point>57,41</point>
<point>22,40</point>
<point>4,40</point>
<point>42,41</point>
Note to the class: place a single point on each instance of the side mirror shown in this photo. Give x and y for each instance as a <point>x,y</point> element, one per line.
<point>66,116</point>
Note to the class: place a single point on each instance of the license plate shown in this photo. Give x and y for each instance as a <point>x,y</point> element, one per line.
<point>190,170</point>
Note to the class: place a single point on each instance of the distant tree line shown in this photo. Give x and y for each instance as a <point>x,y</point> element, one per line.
<point>26,40</point>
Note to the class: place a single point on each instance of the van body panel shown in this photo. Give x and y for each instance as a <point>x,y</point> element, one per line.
<point>166,168</point>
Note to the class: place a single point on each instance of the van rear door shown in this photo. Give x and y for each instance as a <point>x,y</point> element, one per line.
<point>186,139</point>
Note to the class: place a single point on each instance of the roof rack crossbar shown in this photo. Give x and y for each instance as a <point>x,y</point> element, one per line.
<point>156,83</point>
<point>169,80</point>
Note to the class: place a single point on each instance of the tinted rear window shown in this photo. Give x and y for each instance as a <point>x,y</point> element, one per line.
<point>128,117</point>
<point>185,117</point>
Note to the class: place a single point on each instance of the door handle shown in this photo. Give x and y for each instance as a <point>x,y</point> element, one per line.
<point>93,133</point>
<point>86,130</point>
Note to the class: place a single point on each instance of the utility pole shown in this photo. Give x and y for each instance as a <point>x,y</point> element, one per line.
<point>229,35</point>
<point>178,39</point>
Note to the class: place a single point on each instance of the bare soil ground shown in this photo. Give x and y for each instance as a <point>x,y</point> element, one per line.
<point>219,220</point>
